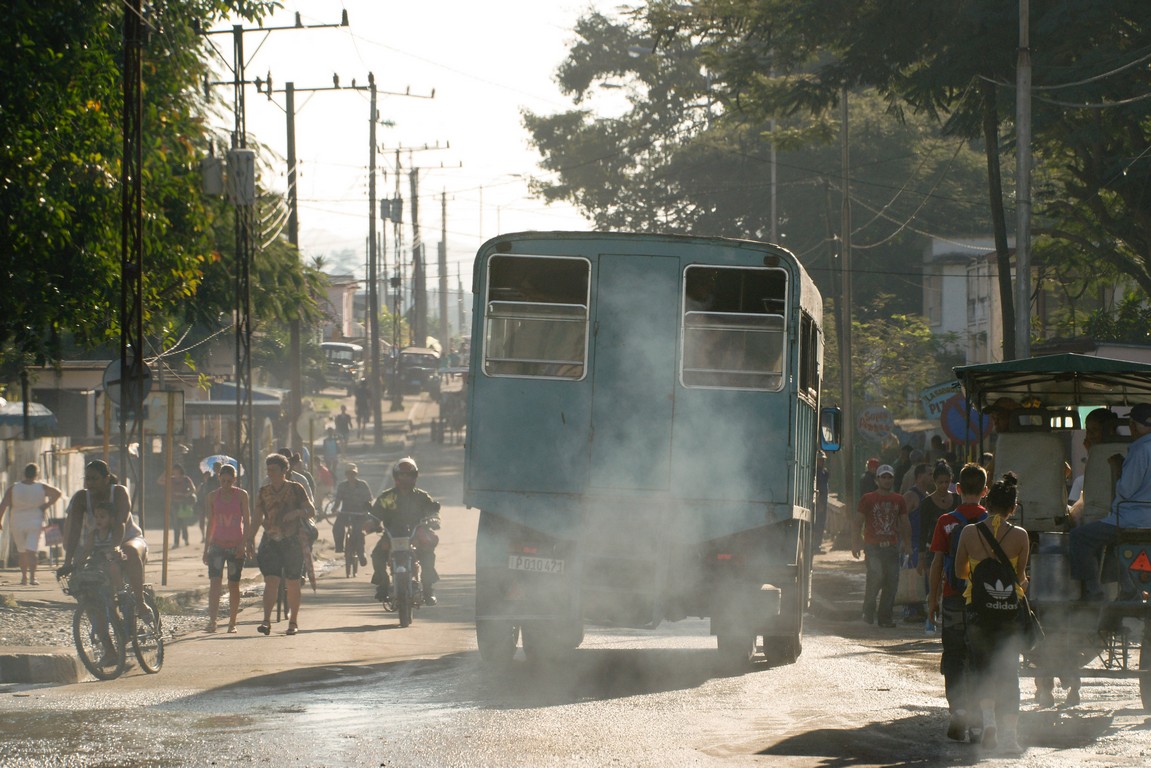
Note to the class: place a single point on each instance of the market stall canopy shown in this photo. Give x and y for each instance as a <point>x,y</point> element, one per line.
<point>1058,380</point>
<point>42,421</point>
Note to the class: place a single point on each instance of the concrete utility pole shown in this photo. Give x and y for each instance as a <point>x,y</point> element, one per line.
<point>445,331</point>
<point>373,277</point>
<point>847,447</point>
<point>132,366</point>
<point>1023,187</point>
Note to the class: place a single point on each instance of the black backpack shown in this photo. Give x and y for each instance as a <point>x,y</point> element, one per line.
<point>958,585</point>
<point>993,595</point>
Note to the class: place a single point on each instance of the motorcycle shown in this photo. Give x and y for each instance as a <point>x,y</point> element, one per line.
<point>407,594</point>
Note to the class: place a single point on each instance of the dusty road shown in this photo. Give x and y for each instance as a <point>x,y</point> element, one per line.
<point>353,689</point>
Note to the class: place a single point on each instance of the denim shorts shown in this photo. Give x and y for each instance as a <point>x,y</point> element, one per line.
<point>218,556</point>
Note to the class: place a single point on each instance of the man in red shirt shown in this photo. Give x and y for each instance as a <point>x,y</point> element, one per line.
<point>952,618</point>
<point>881,530</point>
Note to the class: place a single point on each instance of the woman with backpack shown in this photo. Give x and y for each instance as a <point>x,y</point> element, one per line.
<point>992,556</point>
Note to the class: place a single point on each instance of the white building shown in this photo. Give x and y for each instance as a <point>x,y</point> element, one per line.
<point>961,295</point>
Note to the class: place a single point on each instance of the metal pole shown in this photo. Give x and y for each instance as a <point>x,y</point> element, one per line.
<point>373,293</point>
<point>1023,188</point>
<point>294,342</point>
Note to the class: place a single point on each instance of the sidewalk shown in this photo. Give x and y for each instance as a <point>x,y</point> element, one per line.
<point>183,578</point>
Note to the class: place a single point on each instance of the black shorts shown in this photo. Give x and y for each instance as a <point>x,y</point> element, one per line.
<point>283,557</point>
<point>219,556</point>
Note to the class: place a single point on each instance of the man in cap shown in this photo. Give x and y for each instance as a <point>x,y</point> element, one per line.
<point>399,510</point>
<point>353,497</point>
<point>882,528</point>
<point>1131,508</point>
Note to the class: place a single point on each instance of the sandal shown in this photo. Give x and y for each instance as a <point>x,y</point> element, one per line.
<point>292,629</point>
<point>211,626</point>
<point>231,629</point>
<point>264,629</point>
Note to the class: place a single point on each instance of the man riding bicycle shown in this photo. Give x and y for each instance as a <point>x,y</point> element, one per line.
<point>353,501</point>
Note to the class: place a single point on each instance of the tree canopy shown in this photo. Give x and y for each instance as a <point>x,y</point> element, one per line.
<point>60,177</point>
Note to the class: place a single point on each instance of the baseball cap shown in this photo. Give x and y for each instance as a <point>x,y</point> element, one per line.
<point>1142,414</point>
<point>872,463</point>
<point>885,470</point>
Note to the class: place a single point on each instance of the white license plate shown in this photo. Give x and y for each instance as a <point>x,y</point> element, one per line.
<point>535,564</point>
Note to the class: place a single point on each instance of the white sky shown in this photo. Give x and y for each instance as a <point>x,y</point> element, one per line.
<point>485,61</point>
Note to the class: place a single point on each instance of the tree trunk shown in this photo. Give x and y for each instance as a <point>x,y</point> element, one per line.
<point>998,222</point>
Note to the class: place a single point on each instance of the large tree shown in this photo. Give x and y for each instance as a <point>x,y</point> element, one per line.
<point>60,171</point>
<point>957,60</point>
<point>651,144</point>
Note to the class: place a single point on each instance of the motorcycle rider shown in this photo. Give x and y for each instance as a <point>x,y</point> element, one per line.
<point>400,509</point>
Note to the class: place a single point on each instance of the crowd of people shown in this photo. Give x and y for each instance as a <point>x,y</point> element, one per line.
<point>961,536</point>
<point>273,529</point>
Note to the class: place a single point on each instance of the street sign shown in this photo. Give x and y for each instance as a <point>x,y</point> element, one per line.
<point>114,382</point>
<point>155,414</point>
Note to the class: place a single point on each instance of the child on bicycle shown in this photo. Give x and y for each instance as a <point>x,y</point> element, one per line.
<point>101,547</point>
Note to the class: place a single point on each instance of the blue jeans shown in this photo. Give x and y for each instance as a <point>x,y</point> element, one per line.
<point>1086,544</point>
<point>882,580</point>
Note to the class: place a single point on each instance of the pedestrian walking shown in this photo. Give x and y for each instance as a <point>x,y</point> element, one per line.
<point>881,531</point>
<point>27,503</point>
<point>224,544</point>
<point>281,506</point>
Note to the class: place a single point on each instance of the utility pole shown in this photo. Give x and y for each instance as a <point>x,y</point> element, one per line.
<point>419,323</point>
<point>133,369</point>
<point>373,278</point>
<point>372,269</point>
<point>445,330</point>
<point>1023,187</point>
<point>845,370</point>
<point>242,189</point>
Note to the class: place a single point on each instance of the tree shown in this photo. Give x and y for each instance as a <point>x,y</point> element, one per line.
<point>60,169</point>
<point>957,61</point>
<point>677,158</point>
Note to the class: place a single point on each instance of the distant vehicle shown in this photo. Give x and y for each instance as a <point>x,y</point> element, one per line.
<point>642,427</point>
<point>343,362</point>
<point>418,367</point>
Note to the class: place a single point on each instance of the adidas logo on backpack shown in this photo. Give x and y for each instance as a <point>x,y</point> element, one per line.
<point>993,594</point>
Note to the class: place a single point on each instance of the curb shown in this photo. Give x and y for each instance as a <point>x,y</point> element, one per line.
<point>26,666</point>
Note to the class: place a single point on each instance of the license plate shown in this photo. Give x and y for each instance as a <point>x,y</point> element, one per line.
<point>535,564</point>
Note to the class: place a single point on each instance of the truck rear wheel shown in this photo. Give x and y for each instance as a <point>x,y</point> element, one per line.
<point>785,648</point>
<point>497,640</point>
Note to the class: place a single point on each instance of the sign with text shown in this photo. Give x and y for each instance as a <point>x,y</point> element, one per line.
<point>935,396</point>
<point>875,423</point>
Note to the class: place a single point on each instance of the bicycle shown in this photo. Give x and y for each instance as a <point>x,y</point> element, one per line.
<point>354,556</point>
<point>105,621</point>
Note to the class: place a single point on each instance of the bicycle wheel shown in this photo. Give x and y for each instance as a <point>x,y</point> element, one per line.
<point>148,640</point>
<point>100,642</point>
<point>351,561</point>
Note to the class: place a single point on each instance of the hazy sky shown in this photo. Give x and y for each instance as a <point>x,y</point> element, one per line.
<point>485,62</point>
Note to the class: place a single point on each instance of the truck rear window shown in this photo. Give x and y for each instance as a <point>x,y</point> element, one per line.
<point>734,327</point>
<point>537,317</point>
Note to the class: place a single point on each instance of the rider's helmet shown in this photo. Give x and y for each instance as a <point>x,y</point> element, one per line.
<point>404,465</point>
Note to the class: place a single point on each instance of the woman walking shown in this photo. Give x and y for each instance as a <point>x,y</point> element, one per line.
<point>29,501</point>
<point>228,522</point>
<point>994,636</point>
